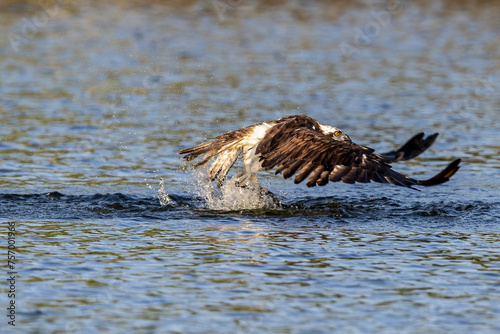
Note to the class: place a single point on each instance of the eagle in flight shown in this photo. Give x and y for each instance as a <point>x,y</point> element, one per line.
<point>301,146</point>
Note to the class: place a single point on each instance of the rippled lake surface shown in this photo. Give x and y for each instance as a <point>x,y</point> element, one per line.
<point>114,233</point>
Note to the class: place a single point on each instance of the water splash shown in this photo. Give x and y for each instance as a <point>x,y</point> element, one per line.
<point>230,197</point>
<point>162,194</point>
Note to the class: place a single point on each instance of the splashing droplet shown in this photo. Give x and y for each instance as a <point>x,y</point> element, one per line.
<point>162,194</point>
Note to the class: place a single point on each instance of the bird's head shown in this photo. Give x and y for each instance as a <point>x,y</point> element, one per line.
<point>335,133</point>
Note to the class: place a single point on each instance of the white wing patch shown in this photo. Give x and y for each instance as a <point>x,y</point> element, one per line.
<point>251,160</point>
<point>258,134</point>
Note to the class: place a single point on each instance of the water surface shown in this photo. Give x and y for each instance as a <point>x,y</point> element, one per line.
<point>96,100</point>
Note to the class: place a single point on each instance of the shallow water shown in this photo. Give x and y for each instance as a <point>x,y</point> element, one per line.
<point>96,100</point>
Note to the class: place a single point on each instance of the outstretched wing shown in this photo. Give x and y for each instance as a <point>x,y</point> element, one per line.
<point>306,152</point>
<point>411,149</point>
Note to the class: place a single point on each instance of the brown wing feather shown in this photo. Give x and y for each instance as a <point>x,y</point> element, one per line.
<point>226,147</point>
<point>215,146</point>
<point>304,151</point>
<point>279,133</point>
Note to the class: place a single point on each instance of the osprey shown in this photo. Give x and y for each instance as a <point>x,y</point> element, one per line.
<point>299,145</point>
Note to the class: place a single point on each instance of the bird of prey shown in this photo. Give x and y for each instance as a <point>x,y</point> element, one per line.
<point>301,146</point>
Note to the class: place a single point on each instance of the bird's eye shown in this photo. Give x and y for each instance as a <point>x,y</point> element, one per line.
<point>336,133</point>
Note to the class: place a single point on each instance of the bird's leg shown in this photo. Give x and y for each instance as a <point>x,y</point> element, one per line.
<point>248,178</point>
<point>246,181</point>
<point>241,179</point>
